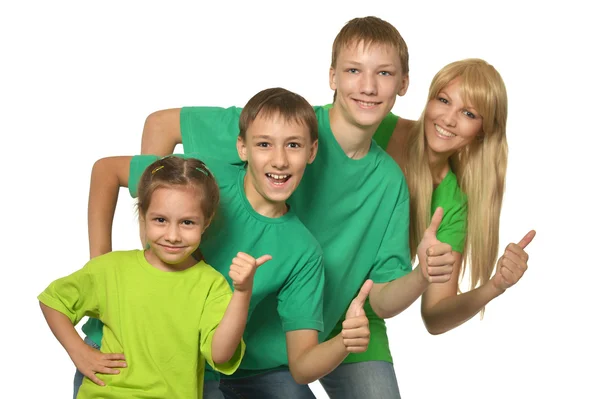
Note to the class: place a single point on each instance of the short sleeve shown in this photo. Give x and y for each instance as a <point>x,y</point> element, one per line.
<point>300,300</point>
<point>73,295</point>
<point>393,257</point>
<point>453,228</point>
<point>214,309</point>
<point>211,132</point>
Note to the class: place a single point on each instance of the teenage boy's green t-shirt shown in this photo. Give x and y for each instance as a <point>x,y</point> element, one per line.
<point>452,230</point>
<point>163,322</point>
<point>287,293</point>
<point>357,209</point>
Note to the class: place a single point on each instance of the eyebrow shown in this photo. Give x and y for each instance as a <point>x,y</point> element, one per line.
<point>266,137</point>
<point>360,64</point>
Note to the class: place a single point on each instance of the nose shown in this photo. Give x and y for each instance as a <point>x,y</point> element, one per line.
<point>280,158</point>
<point>449,119</point>
<point>172,233</point>
<point>368,84</point>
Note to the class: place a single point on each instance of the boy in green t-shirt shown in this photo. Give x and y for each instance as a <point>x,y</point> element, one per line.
<point>277,139</point>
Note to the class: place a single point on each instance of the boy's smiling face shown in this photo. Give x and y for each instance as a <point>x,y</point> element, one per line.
<point>367,80</point>
<point>277,152</point>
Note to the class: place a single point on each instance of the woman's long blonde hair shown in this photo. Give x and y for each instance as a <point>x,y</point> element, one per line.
<point>480,167</point>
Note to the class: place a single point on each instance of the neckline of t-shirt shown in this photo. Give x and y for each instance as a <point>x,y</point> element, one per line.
<point>143,262</point>
<point>281,219</point>
<point>446,180</point>
<point>326,133</point>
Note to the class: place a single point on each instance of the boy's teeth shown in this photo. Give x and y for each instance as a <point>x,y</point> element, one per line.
<point>277,177</point>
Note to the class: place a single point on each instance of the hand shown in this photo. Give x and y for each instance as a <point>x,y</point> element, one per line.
<point>355,329</point>
<point>435,257</point>
<point>90,361</point>
<point>242,270</point>
<point>512,265</point>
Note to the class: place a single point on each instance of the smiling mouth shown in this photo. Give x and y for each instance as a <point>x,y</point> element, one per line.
<point>443,132</point>
<point>278,179</point>
<point>366,104</point>
<point>170,248</point>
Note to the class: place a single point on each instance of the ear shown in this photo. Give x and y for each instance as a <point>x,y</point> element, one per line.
<point>242,149</point>
<point>332,83</point>
<point>313,151</point>
<point>403,85</point>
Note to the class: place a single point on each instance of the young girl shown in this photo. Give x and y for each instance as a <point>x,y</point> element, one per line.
<point>277,138</point>
<point>165,311</point>
<point>456,151</point>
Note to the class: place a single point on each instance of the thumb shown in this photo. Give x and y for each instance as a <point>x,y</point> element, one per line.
<point>357,303</point>
<point>263,259</point>
<point>527,239</point>
<point>436,220</point>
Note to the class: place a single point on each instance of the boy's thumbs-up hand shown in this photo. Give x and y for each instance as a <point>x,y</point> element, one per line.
<point>355,329</point>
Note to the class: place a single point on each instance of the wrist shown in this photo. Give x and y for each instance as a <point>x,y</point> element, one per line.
<point>493,290</point>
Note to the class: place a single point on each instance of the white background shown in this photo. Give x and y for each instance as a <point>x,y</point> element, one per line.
<point>77,80</point>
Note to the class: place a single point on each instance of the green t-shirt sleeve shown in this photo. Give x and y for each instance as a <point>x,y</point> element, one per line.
<point>74,295</point>
<point>453,228</point>
<point>385,130</point>
<point>300,300</point>
<point>211,131</point>
<point>214,309</point>
<point>393,258</point>
<point>137,166</point>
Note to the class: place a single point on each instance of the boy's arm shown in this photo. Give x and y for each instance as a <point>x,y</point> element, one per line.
<point>162,132</point>
<point>435,266</point>
<point>108,175</point>
<point>308,360</point>
<point>87,359</point>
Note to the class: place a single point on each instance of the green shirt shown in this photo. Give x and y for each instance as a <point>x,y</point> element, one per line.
<point>452,231</point>
<point>358,210</point>
<point>162,321</point>
<point>287,293</point>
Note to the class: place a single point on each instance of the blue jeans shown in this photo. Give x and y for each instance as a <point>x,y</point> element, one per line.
<point>78,379</point>
<point>373,379</point>
<point>272,385</point>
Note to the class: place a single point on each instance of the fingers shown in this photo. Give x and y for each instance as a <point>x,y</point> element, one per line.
<point>263,259</point>
<point>356,334</point>
<point>527,239</point>
<point>436,220</point>
<point>363,294</point>
<point>114,356</point>
<point>94,379</point>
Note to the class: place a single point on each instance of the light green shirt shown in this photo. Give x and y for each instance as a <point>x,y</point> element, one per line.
<point>163,322</point>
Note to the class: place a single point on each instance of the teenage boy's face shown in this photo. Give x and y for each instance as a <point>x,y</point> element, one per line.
<point>173,224</point>
<point>277,153</point>
<point>367,80</point>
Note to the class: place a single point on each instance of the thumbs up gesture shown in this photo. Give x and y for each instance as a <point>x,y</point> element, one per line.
<point>435,258</point>
<point>242,270</point>
<point>355,329</point>
<point>512,264</point>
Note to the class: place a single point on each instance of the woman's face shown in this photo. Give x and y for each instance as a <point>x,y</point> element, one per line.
<point>450,123</point>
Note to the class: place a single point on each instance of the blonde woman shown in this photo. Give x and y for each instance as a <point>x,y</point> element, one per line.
<point>454,155</point>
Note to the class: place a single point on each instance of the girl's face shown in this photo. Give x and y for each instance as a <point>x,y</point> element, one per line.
<point>450,123</point>
<point>174,224</point>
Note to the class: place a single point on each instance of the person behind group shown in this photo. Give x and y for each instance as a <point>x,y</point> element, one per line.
<point>165,311</point>
<point>353,197</point>
<point>277,139</point>
<point>456,151</point>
